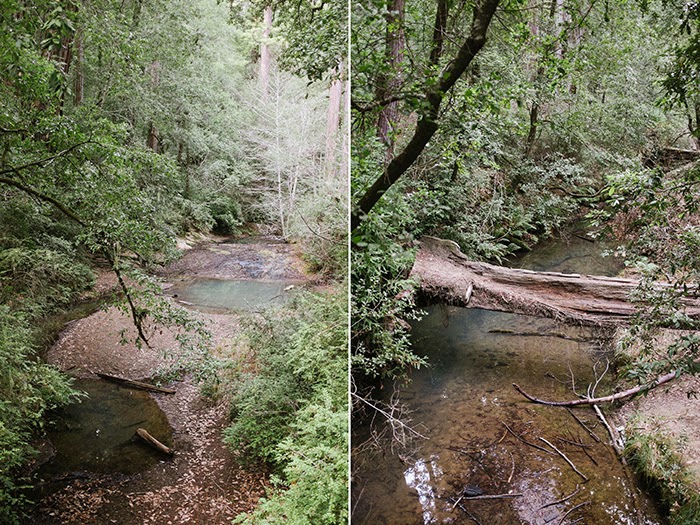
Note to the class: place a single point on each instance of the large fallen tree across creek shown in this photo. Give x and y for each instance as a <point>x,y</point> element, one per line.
<point>446,275</point>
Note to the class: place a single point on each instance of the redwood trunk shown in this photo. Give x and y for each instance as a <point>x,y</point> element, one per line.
<point>446,275</point>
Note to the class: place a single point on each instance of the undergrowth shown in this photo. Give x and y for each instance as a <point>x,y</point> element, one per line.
<point>656,458</point>
<point>290,408</point>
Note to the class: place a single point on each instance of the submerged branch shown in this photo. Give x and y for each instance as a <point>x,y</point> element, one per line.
<point>392,420</point>
<point>571,464</point>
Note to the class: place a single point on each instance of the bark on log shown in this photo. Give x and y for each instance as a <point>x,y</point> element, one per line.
<point>143,434</point>
<point>136,384</point>
<point>445,274</point>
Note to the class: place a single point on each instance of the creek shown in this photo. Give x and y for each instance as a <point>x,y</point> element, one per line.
<point>464,403</point>
<point>96,436</point>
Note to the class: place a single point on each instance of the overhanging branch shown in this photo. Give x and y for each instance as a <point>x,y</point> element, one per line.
<point>427,124</point>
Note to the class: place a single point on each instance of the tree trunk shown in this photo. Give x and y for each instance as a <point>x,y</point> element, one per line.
<point>264,74</point>
<point>135,384</point>
<point>152,141</point>
<point>390,85</point>
<point>79,73</point>
<point>345,164</point>
<point>445,274</point>
<point>333,120</point>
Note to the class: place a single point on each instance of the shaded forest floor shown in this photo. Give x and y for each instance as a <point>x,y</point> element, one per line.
<point>203,482</point>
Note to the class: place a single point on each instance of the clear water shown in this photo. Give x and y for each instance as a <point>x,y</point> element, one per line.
<point>463,401</point>
<point>97,434</point>
<point>223,295</point>
<point>572,255</point>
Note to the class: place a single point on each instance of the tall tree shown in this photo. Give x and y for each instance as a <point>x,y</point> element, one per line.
<point>265,52</point>
<point>390,82</point>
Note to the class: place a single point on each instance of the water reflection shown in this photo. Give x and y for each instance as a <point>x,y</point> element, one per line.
<point>97,434</point>
<point>420,479</point>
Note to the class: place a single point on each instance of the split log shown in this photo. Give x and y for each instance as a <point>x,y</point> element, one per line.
<point>446,274</point>
<point>143,434</point>
<point>136,384</point>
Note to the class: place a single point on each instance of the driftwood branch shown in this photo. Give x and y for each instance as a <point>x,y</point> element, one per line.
<point>391,419</point>
<point>605,399</point>
<point>153,442</point>
<point>135,384</point>
<point>533,445</point>
<point>493,496</point>
<point>562,500</point>
<point>617,445</point>
<point>590,432</point>
<point>573,509</point>
<point>571,464</point>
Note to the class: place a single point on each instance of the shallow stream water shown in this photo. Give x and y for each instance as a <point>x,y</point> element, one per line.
<point>97,434</point>
<point>224,295</point>
<point>483,435</point>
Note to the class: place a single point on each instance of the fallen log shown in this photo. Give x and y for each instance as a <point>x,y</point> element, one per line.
<point>143,434</point>
<point>136,384</point>
<point>445,274</point>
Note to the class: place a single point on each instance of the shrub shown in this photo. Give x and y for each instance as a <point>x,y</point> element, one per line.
<point>28,389</point>
<point>291,410</point>
<point>39,279</point>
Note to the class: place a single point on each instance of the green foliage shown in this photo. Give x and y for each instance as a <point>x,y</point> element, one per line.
<point>291,410</point>
<point>314,35</point>
<point>656,458</point>
<point>315,490</point>
<point>493,214</point>
<point>37,280</point>
<point>28,389</point>
<point>382,255</point>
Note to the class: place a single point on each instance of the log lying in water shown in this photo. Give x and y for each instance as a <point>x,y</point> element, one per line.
<point>135,384</point>
<point>445,274</point>
<point>143,434</point>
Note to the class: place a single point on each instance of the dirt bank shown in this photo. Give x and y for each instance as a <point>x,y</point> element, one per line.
<point>672,409</point>
<point>203,483</point>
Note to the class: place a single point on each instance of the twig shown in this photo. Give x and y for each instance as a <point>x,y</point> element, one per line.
<point>565,458</point>
<point>590,432</point>
<point>317,234</point>
<point>573,509</point>
<point>43,197</point>
<point>574,443</point>
<point>389,417</point>
<point>493,496</point>
<point>527,442</point>
<point>512,469</point>
<point>599,379</point>
<point>47,160</point>
<point>469,514</point>
<point>565,498</point>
